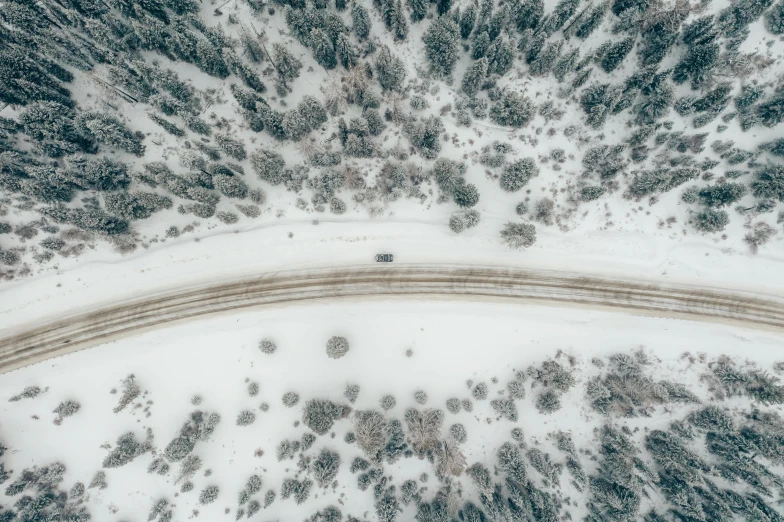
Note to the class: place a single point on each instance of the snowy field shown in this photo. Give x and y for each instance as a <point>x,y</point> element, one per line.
<point>450,343</point>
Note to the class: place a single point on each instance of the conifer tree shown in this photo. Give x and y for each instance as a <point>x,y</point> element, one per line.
<point>443,6</point>
<point>323,52</point>
<point>346,52</point>
<point>591,21</point>
<point>399,24</point>
<point>418,9</point>
<point>441,45</point>
<point>390,70</point>
<point>474,76</point>
<point>481,45</point>
<point>615,54</point>
<point>361,20</point>
<point>467,21</point>
<point>287,65</point>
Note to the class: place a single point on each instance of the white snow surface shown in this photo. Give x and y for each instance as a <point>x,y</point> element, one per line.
<point>451,343</point>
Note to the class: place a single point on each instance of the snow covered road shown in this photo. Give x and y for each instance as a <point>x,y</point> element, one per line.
<point>25,345</point>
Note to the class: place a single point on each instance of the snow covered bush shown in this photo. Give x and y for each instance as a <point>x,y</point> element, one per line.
<point>518,235</point>
<point>319,415</point>
<point>337,347</point>
<point>290,399</point>
<point>209,495</point>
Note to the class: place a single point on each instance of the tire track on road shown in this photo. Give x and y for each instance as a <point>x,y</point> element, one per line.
<point>27,344</point>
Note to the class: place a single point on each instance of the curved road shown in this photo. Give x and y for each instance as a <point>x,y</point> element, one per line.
<point>43,340</point>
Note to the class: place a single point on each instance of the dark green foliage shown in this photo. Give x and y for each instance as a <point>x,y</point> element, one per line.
<point>615,479</point>
<point>513,110</point>
<point>467,21</point>
<point>91,219</point>
<point>775,147</point>
<point>546,59</point>
<point>135,205</point>
<point>269,166</point>
<point>166,125</point>
<point>566,64</point>
<point>346,52</point>
<point>722,195</point>
<point>657,39</point>
<point>591,21</point>
<point>325,467</point>
<point>300,491</point>
<point>390,70</point>
<point>126,450</point>
<point>53,127</point>
<point>615,54</point>
<point>199,427</point>
<point>286,64</point>
<point>466,195</point>
<point>425,135</point>
<point>769,182</point>
<point>448,174</point>
<point>319,415</point>
<point>711,221</point>
<point>774,19</point>
<point>701,31</point>
<point>561,14</point>
<point>526,14</point>
<point>323,52</point>
<point>441,45</point>
<point>501,57</point>
<point>734,20</point>
<point>474,76</point>
<point>697,64</point>
<point>361,20</point>
<point>481,45</point>
<point>619,6</point>
<point>443,6</point>
<point>598,101</point>
<point>517,174</point>
<point>649,182</point>
<point>771,111</point>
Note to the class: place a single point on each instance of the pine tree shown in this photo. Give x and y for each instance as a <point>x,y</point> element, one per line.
<point>287,65</point>
<point>562,13</point>
<point>418,9</point>
<point>361,20</point>
<point>615,54</point>
<point>526,14</point>
<point>443,6</point>
<point>513,110</point>
<point>466,195</point>
<point>697,64</point>
<point>399,24</point>
<point>481,46</point>
<point>441,45</point>
<point>346,52</point>
<point>774,19</point>
<point>467,21</point>
<point>591,21</point>
<point>501,57</point>
<point>566,64</point>
<point>107,129</point>
<point>474,76</point>
<point>323,52</point>
<point>498,22</point>
<point>390,70</point>
<point>546,59</point>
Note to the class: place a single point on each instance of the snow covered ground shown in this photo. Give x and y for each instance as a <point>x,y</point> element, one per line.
<point>216,359</point>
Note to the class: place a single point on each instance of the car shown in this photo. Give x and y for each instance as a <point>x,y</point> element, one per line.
<point>383,258</point>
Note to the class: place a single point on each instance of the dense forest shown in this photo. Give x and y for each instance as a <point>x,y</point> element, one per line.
<point>650,84</point>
